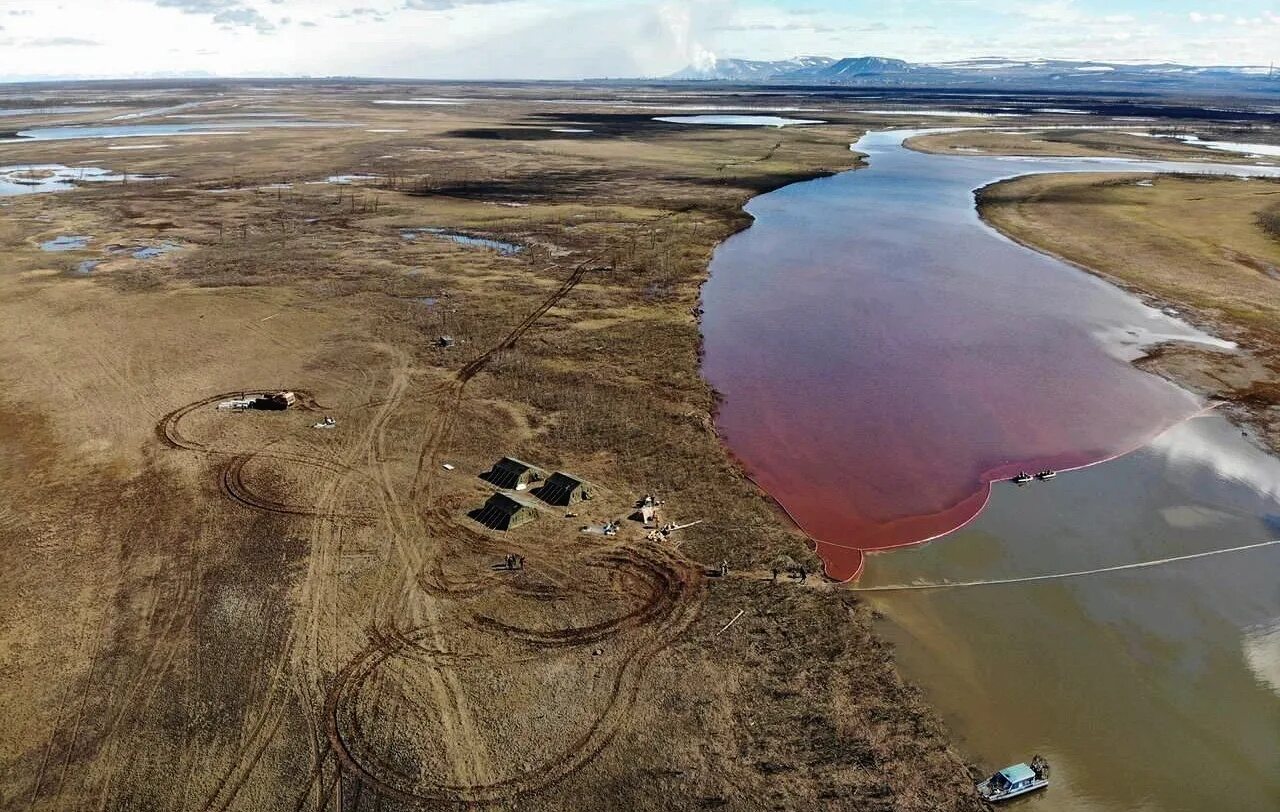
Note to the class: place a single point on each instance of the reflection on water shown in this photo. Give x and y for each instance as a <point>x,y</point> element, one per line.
<point>1172,672</point>
<point>1262,653</point>
<point>883,355</point>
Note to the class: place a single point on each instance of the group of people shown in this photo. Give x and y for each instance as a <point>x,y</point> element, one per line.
<point>515,562</point>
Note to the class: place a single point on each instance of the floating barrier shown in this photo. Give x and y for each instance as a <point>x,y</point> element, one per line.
<point>1062,575</point>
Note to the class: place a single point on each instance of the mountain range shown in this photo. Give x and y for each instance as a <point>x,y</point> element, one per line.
<point>987,72</point>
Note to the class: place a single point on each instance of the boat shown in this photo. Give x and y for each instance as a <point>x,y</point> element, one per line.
<point>1046,474</point>
<point>1021,479</point>
<point>1015,780</point>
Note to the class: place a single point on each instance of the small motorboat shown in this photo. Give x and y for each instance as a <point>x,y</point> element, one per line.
<point>1022,478</point>
<point>1046,474</point>
<point>1015,780</point>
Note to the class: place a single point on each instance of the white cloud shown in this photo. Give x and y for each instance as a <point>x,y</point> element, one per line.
<point>593,38</point>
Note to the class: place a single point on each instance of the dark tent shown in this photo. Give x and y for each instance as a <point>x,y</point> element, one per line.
<point>511,473</point>
<point>563,489</point>
<point>505,511</point>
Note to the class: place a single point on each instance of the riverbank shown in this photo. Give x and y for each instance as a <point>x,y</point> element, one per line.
<point>1204,247</point>
<point>1068,142</point>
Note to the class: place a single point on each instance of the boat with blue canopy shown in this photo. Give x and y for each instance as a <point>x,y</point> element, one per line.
<point>1015,780</point>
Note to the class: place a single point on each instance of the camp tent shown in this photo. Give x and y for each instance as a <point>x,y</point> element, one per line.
<point>512,473</point>
<point>505,511</point>
<point>563,489</point>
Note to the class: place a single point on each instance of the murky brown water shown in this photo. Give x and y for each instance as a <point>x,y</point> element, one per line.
<point>1154,689</point>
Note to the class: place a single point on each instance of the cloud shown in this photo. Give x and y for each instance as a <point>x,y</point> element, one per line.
<point>226,13</point>
<point>362,12</point>
<point>61,42</point>
<point>445,5</point>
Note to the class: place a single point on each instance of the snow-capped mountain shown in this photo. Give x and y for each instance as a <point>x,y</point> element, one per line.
<point>750,70</point>
<point>849,68</point>
<point>991,72</point>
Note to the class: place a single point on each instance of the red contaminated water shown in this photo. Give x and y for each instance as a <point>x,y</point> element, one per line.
<point>883,356</point>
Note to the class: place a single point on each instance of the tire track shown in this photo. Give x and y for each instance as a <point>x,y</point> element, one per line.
<point>681,612</point>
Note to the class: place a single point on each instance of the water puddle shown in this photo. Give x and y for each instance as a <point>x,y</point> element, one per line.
<point>35,178</point>
<point>739,121</point>
<point>151,251</point>
<point>343,180</point>
<point>87,266</point>
<point>460,238</point>
<point>66,243</point>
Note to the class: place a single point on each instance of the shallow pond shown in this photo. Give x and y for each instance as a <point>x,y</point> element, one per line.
<point>26,179</point>
<point>463,239</point>
<point>65,243</point>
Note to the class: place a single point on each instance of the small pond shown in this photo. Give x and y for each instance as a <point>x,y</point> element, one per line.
<point>29,179</point>
<point>65,243</point>
<point>463,239</point>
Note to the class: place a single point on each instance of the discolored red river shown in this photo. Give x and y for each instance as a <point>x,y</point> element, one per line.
<point>883,356</point>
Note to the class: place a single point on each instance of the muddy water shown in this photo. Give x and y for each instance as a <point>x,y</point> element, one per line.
<point>1154,689</point>
<point>883,355</point>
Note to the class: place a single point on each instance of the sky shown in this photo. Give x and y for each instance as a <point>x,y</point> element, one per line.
<point>569,39</point>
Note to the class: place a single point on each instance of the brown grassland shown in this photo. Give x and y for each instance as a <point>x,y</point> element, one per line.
<point>1209,247</point>
<point>1071,143</point>
<point>207,610</point>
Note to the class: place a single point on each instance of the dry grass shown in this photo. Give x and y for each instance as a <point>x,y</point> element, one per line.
<point>197,639</point>
<point>1269,221</point>
<point>1070,143</point>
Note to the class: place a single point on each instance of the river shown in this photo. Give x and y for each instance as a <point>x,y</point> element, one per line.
<point>884,357</point>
